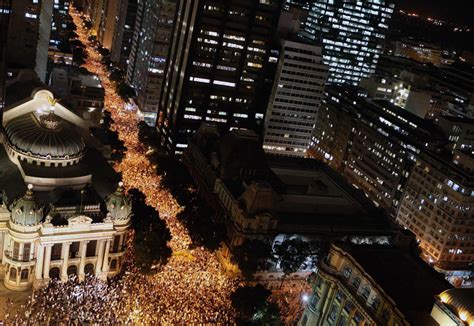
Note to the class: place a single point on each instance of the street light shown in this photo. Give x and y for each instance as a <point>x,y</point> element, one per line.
<point>305,298</point>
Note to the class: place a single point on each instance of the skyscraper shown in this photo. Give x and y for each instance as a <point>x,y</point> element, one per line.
<point>149,53</point>
<point>28,35</point>
<point>295,99</point>
<point>220,69</point>
<point>352,34</point>
<point>5,9</point>
<point>123,32</point>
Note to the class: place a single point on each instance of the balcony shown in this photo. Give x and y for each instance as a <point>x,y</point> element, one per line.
<point>18,258</point>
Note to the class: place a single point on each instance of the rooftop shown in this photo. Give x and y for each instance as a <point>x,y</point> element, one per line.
<point>316,198</point>
<point>409,281</point>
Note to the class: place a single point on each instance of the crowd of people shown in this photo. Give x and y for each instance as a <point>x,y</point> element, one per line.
<point>189,289</point>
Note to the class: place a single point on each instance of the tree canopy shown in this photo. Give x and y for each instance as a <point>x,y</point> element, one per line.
<point>151,234</point>
<point>291,254</point>
<point>253,307</point>
<point>251,256</point>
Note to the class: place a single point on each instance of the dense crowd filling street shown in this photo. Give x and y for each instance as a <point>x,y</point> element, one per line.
<point>190,289</point>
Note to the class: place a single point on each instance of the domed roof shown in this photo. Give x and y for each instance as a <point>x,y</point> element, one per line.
<point>26,211</point>
<point>45,136</point>
<point>118,204</point>
<point>461,300</point>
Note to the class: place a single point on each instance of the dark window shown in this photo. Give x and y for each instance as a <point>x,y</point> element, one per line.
<point>89,269</point>
<point>116,243</point>
<point>90,251</point>
<point>72,270</point>
<point>12,273</point>
<point>56,251</point>
<point>74,250</point>
<point>24,274</point>
<point>54,273</point>
<point>16,250</point>
<point>26,251</point>
<point>333,313</point>
<point>356,282</point>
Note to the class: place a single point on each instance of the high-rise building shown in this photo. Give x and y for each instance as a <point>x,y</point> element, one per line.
<point>221,67</point>
<point>28,36</point>
<point>297,91</point>
<point>374,144</point>
<point>123,32</point>
<point>352,35</point>
<point>108,23</point>
<point>5,11</point>
<point>59,24</point>
<point>372,285</point>
<point>437,207</point>
<point>149,54</point>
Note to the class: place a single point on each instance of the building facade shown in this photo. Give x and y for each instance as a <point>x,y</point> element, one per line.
<point>437,207</point>
<point>149,54</point>
<point>221,67</point>
<point>66,222</point>
<point>28,36</point>
<point>123,32</point>
<point>274,198</point>
<point>5,12</point>
<point>355,285</point>
<point>352,35</point>
<point>374,144</point>
<point>297,92</point>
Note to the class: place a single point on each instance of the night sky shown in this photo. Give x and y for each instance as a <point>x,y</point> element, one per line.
<point>456,11</point>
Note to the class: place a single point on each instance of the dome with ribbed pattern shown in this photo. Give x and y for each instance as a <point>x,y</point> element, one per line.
<point>46,136</point>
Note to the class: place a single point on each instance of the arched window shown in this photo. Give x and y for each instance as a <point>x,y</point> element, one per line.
<point>89,269</point>
<point>72,270</point>
<point>13,274</point>
<point>54,272</point>
<point>24,274</point>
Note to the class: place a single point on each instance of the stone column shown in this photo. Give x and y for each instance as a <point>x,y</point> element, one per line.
<point>39,262</point>
<point>82,253</point>
<point>65,255</point>
<point>105,266</point>
<point>47,261</point>
<point>100,257</point>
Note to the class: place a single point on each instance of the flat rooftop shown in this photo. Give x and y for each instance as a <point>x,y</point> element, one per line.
<point>408,280</point>
<point>315,198</point>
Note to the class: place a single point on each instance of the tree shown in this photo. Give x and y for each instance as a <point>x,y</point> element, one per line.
<point>268,315</point>
<point>125,91</point>
<point>204,232</point>
<point>110,137</point>
<point>79,56</point>
<point>151,234</point>
<point>104,51</point>
<point>87,24</point>
<point>291,254</point>
<point>253,307</point>
<point>251,256</point>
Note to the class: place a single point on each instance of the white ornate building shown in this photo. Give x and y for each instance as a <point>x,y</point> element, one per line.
<point>67,220</point>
